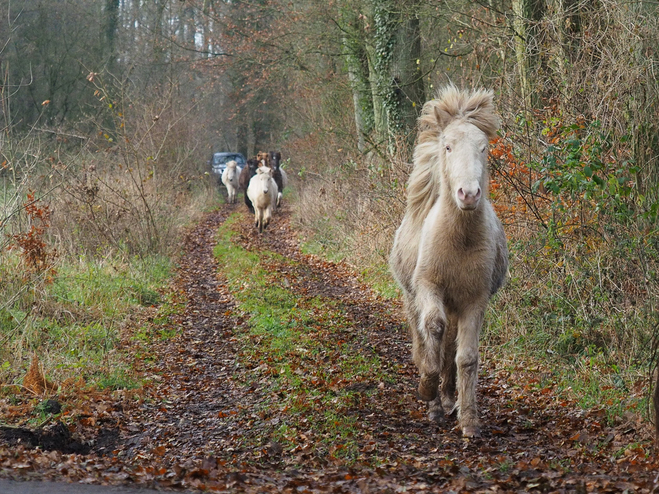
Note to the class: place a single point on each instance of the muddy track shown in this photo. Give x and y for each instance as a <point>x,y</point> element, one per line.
<point>195,428</point>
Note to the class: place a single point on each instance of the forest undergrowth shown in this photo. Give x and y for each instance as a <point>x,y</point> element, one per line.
<point>89,220</point>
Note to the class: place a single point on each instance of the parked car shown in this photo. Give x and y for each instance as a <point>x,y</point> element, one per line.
<point>219,161</point>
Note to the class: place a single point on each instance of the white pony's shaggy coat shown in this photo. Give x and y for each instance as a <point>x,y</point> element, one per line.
<point>449,253</point>
<point>230,180</point>
<point>262,191</point>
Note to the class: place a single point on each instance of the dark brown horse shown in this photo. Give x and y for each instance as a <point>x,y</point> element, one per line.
<point>245,176</point>
<point>277,173</point>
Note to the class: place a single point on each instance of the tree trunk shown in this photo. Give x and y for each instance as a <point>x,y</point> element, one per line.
<point>394,73</point>
<point>158,45</point>
<point>409,94</point>
<point>110,24</point>
<point>358,75</point>
<point>526,15</point>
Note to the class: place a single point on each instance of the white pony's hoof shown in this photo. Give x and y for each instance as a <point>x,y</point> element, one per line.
<point>436,415</point>
<point>471,431</point>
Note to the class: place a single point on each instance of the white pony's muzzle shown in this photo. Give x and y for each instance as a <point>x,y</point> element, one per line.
<point>469,197</point>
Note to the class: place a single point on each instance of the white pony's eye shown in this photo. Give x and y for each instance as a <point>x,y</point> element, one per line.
<point>448,148</point>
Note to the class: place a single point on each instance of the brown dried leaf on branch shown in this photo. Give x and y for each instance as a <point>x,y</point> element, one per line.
<point>35,380</point>
<point>37,256</point>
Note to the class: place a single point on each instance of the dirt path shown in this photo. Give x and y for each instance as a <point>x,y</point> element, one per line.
<point>198,427</point>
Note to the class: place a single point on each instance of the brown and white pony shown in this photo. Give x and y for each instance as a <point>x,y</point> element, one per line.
<point>450,254</point>
<point>263,158</point>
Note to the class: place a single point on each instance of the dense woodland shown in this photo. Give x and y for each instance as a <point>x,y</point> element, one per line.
<point>110,111</point>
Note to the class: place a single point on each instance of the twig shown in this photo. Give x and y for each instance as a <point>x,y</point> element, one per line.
<point>63,134</point>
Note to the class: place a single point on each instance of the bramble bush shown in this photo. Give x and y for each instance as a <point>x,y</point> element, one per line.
<point>583,245</point>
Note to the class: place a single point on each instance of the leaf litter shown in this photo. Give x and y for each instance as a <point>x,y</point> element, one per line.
<point>321,399</point>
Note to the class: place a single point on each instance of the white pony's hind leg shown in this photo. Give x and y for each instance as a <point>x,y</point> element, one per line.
<point>449,368</point>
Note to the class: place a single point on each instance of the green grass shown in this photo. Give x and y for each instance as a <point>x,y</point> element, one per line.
<point>72,320</point>
<point>328,245</point>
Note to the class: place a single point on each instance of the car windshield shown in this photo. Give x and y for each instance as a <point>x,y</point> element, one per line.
<point>223,159</point>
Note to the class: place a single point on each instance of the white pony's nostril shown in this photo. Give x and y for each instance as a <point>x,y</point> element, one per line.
<point>468,198</point>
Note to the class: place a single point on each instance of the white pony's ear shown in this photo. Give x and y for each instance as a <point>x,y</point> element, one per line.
<point>480,112</point>
<point>443,117</point>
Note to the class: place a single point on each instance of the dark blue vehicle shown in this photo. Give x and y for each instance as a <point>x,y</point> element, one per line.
<point>218,161</point>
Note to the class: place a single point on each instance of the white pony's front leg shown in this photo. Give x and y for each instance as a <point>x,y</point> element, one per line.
<point>258,218</point>
<point>469,326</point>
<point>427,337</point>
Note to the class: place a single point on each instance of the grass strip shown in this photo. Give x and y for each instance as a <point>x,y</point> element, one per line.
<point>304,355</point>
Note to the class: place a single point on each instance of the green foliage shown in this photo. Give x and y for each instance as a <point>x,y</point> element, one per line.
<point>117,379</point>
<point>582,168</point>
<point>580,314</point>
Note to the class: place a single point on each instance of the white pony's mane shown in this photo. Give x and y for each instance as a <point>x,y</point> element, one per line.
<point>475,107</point>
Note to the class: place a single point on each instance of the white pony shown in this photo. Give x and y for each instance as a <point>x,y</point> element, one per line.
<point>262,191</point>
<point>230,180</point>
<point>449,253</point>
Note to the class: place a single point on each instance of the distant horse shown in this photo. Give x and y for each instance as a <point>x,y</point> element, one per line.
<point>262,191</point>
<point>263,158</point>
<point>245,176</point>
<point>230,180</point>
<point>449,253</point>
<point>278,174</point>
